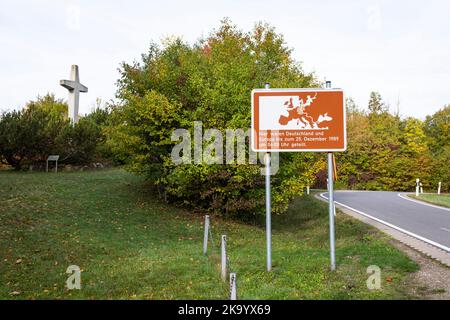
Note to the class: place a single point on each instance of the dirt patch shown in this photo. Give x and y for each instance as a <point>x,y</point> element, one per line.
<point>432,281</point>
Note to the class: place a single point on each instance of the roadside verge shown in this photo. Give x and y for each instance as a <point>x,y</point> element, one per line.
<point>432,251</point>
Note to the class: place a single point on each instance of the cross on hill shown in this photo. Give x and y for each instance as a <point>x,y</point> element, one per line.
<point>75,87</point>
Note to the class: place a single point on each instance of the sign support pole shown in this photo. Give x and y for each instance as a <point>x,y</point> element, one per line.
<point>268,207</point>
<point>331,210</point>
<point>268,213</point>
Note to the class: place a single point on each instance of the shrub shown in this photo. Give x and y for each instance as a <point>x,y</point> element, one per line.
<point>28,136</point>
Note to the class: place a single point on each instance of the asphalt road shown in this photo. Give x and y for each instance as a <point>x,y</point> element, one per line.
<point>429,222</point>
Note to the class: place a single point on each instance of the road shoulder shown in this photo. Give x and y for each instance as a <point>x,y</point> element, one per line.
<point>426,200</point>
<point>432,278</point>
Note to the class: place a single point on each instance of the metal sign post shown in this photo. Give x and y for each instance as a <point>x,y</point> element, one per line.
<point>268,207</point>
<point>268,213</point>
<point>331,210</point>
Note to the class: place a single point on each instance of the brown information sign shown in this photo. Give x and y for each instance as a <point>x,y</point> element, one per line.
<point>298,120</point>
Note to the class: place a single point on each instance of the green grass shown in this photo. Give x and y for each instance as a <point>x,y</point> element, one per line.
<point>440,200</point>
<point>130,245</point>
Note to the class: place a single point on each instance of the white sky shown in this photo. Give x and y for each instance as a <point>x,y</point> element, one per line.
<point>399,48</point>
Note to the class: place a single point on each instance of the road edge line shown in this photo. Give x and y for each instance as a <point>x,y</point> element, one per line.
<point>440,246</point>
<point>422,202</point>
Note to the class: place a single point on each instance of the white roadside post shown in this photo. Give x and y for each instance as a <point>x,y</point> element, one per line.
<point>417,187</point>
<point>233,291</point>
<point>439,187</point>
<point>421,188</point>
<point>205,236</point>
<point>224,257</point>
<point>307,190</point>
<point>268,207</point>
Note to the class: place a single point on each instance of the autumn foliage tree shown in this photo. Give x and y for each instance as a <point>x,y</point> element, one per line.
<point>210,81</point>
<point>386,152</point>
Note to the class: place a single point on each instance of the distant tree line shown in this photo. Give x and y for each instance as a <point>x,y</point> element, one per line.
<point>387,152</point>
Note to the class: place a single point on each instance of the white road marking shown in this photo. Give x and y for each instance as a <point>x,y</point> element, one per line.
<point>445,229</point>
<point>421,202</point>
<point>440,246</point>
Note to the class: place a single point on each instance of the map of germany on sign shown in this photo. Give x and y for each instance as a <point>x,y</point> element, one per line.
<point>298,120</point>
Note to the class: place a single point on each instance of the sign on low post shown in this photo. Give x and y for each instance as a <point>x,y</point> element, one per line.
<point>52,158</point>
<point>300,120</point>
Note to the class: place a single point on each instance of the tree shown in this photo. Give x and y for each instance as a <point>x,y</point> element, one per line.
<point>384,152</point>
<point>50,104</point>
<point>437,130</point>
<point>376,104</point>
<point>210,81</point>
<point>11,136</point>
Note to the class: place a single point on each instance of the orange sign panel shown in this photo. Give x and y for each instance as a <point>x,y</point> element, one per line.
<point>298,120</point>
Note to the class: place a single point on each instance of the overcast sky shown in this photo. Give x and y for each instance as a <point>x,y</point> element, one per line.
<point>399,48</point>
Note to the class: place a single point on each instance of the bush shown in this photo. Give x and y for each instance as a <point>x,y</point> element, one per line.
<point>30,135</point>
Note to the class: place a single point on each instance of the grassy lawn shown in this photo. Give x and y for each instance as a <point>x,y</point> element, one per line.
<point>130,245</point>
<point>440,200</point>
